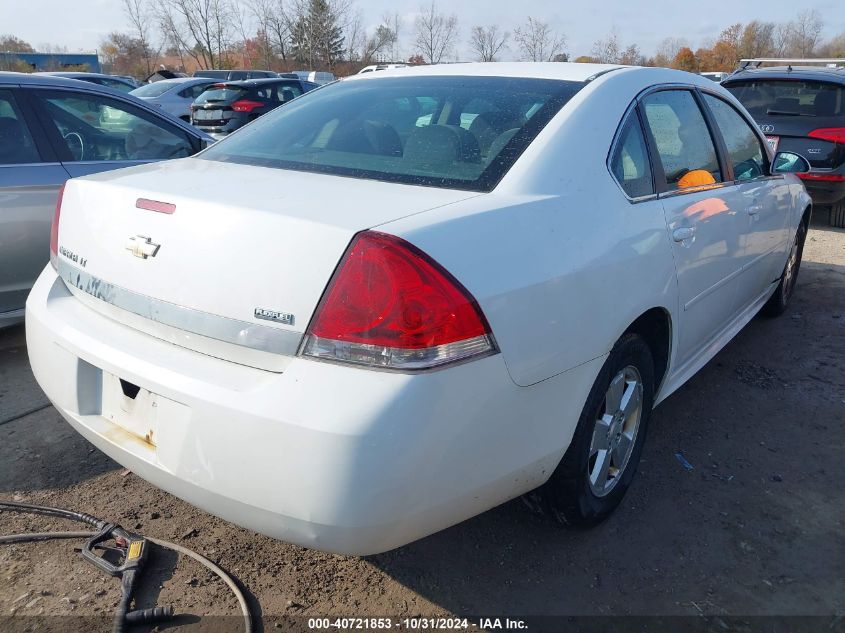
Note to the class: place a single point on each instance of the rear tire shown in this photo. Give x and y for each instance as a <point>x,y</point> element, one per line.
<point>837,214</point>
<point>777,303</point>
<point>600,463</point>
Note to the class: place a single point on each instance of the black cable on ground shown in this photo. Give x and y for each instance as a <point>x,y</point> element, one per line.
<point>41,536</point>
<point>18,416</point>
<point>27,508</point>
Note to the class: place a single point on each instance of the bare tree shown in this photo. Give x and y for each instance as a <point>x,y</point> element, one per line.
<point>279,20</point>
<point>804,32</point>
<point>262,12</point>
<point>241,15</point>
<point>394,22</point>
<point>141,17</point>
<point>487,42</point>
<point>632,56</point>
<point>435,33</point>
<point>607,51</point>
<point>356,37</point>
<point>538,41</point>
<point>834,47</point>
<point>757,40</point>
<point>202,28</point>
<point>10,43</point>
<point>781,39</point>
<point>670,47</point>
<point>380,41</point>
<point>173,33</point>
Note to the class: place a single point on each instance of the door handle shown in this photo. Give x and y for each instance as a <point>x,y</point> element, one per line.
<point>754,209</point>
<point>682,234</point>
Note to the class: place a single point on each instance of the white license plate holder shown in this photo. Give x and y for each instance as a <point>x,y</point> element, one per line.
<point>208,115</point>
<point>138,415</point>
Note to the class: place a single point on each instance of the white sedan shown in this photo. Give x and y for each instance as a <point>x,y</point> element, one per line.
<point>411,296</point>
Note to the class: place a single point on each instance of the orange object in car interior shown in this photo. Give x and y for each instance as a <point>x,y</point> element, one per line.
<point>696,178</point>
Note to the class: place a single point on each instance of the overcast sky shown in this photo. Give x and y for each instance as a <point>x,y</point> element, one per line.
<point>82,24</point>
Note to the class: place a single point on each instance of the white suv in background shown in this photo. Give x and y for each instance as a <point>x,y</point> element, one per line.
<point>374,67</point>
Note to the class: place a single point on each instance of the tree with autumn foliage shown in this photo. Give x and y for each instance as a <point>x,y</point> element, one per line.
<point>685,60</point>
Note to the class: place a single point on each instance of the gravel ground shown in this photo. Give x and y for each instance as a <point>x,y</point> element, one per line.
<point>754,529</point>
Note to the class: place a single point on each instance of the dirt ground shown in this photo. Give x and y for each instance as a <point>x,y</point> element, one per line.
<point>754,529</point>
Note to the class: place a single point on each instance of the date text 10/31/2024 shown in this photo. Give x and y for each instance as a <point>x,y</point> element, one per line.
<point>416,624</point>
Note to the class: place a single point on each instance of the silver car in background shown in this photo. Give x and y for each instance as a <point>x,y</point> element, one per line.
<point>174,96</point>
<point>52,129</point>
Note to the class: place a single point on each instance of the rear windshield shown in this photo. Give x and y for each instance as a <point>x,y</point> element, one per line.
<point>451,132</point>
<point>790,98</point>
<point>155,89</point>
<point>212,73</point>
<point>220,94</point>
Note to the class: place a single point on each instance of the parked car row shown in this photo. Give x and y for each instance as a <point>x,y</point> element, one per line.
<point>219,108</point>
<point>413,295</point>
<point>222,108</point>
<point>314,76</point>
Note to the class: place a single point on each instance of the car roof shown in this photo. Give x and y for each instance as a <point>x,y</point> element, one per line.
<point>74,74</point>
<point>538,70</point>
<point>177,81</point>
<point>790,72</point>
<point>259,81</point>
<point>48,79</point>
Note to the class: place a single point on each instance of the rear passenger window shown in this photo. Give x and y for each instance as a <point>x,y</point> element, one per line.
<point>289,91</point>
<point>630,163</point>
<point>683,140</point>
<point>16,144</point>
<point>267,93</point>
<point>744,147</point>
<point>193,92</point>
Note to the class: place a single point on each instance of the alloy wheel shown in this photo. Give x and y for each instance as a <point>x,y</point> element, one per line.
<point>615,431</point>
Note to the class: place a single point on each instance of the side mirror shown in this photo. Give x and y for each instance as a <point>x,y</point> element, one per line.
<point>789,163</point>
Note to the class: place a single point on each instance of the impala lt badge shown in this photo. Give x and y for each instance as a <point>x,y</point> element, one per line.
<point>273,315</point>
<point>142,247</point>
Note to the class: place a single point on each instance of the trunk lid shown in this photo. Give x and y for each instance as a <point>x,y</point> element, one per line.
<point>239,265</point>
<point>787,110</point>
<point>791,134</point>
<point>213,108</point>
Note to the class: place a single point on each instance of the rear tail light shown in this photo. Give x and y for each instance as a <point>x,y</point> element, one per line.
<point>54,230</point>
<point>832,134</point>
<point>390,305</point>
<point>822,176</point>
<point>245,105</point>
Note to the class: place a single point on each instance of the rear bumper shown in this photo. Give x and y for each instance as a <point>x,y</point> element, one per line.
<point>329,457</point>
<point>826,192</point>
<point>221,131</point>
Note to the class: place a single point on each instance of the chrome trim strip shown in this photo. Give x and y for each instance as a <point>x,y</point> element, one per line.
<point>243,333</point>
<point>672,193</point>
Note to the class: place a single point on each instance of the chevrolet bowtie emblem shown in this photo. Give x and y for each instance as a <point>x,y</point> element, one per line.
<point>142,247</point>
